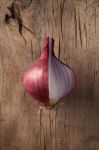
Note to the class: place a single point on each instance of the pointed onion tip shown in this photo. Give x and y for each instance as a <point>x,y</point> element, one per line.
<point>45,50</point>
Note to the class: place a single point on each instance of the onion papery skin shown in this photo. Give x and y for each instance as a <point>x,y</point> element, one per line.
<point>48,80</point>
<point>35,79</point>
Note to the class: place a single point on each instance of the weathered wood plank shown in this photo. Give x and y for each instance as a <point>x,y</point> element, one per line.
<point>74,123</point>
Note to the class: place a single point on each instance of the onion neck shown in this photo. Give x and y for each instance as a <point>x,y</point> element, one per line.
<point>50,46</point>
<point>47,50</point>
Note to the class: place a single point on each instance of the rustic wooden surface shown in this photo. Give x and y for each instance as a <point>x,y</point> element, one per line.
<point>74,123</point>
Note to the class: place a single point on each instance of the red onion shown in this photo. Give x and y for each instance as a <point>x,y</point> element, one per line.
<point>48,80</point>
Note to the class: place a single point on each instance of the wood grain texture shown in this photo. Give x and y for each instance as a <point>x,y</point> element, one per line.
<point>74,123</point>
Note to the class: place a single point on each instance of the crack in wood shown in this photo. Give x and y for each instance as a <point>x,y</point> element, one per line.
<point>55,129</point>
<point>53,12</point>
<point>61,15</point>
<point>75,23</point>
<point>59,49</point>
<point>85,30</point>
<point>95,20</point>
<point>79,27</point>
<point>32,51</point>
<point>50,126</point>
<point>30,3</point>
<point>44,142</point>
<point>2,61</point>
<point>40,126</point>
<point>16,16</point>
<point>28,30</point>
<point>65,124</point>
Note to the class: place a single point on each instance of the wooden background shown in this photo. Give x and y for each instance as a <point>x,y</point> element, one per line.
<point>74,123</point>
